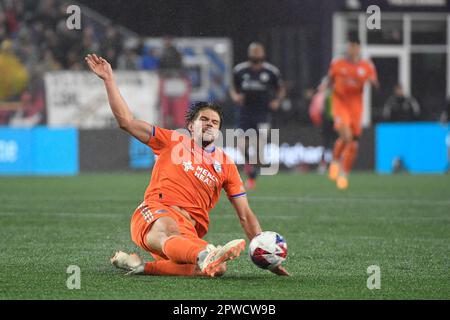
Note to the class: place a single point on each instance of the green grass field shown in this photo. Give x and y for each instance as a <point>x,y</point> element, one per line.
<point>400,223</point>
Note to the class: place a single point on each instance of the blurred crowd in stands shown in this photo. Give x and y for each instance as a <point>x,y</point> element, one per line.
<point>42,41</point>
<point>34,39</point>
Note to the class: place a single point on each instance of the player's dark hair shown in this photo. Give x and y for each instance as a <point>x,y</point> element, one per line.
<point>196,107</point>
<point>353,39</point>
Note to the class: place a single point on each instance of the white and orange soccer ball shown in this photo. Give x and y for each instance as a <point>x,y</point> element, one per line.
<point>268,250</point>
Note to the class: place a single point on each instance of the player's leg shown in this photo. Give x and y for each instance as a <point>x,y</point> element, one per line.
<point>250,169</point>
<point>256,141</point>
<point>165,239</point>
<point>160,267</point>
<point>341,119</point>
<point>261,125</point>
<point>351,148</point>
<point>186,249</point>
<point>349,156</point>
<point>150,228</point>
<point>169,235</point>
<point>245,141</point>
<point>135,265</point>
<point>169,268</point>
<point>262,136</point>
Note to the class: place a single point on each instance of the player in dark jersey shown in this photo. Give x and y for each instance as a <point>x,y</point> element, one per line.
<point>257,88</point>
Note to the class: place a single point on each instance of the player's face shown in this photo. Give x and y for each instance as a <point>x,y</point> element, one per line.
<point>353,50</point>
<point>206,127</point>
<point>256,54</point>
<point>398,91</point>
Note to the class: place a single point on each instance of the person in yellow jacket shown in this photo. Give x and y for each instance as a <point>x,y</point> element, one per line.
<point>14,76</point>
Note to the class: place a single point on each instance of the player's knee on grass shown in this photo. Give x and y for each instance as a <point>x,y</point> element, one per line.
<point>161,230</point>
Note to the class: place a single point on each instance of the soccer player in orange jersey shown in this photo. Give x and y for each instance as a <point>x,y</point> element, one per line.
<point>186,183</point>
<point>347,76</point>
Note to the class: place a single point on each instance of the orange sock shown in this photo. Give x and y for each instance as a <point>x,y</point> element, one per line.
<point>349,156</point>
<point>338,148</point>
<point>180,249</point>
<point>168,268</point>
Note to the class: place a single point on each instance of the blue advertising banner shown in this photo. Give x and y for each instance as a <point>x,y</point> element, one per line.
<point>15,151</point>
<point>141,156</point>
<point>38,150</point>
<point>419,147</point>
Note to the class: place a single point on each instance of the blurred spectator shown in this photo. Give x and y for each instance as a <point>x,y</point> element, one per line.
<point>444,117</point>
<point>171,59</point>
<point>13,75</point>
<point>47,63</point>
<point>399,107</point>
<point>302,112</point>
<point>73,60</point>
<point>111,45</point>
<point>112,39</point>
<point>112,56</point>
<point>32,111</point>
<point>48,13</point>
<point>128,60</point>
<point>90,42</point>
<point>329,135</point>
<point>149,61</point>
<point>13,11</point>
<point>39,41</point>
<point>3,31</point>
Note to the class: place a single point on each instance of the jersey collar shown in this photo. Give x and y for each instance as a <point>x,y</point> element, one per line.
<point>210,149</point>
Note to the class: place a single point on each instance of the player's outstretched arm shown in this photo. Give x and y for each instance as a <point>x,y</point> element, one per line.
<point>251,226</point>
<point>247,218</point>
<point>141,130</point>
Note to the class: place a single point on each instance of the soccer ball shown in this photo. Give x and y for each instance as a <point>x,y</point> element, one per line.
<point>268,250</point>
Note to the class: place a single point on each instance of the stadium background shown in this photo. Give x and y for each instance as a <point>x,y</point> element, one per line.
<point>301,39</point>
<point>54,120</point>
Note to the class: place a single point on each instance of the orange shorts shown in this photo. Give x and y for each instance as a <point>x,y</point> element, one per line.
<point>146,214</point>
<point>347,111</point>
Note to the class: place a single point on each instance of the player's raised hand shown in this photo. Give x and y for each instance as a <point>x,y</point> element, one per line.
<point>99,66</point>
<point>280,271</point>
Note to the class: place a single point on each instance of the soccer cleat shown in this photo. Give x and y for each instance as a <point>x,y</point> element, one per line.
<point>220,270</point>
<point>211,260</point>
<point>130,262</point>
<point>333,170</point>
<point>342,182</point>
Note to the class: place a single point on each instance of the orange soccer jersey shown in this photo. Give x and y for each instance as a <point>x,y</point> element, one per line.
<point>348,84</point>
<point>189,177</point>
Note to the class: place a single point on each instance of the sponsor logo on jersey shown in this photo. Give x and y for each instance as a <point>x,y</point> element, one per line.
<point>205,176</point>
<point>361,71</point>
<point>188,165</point>
<point>217,166</point>
<point>264,76</point>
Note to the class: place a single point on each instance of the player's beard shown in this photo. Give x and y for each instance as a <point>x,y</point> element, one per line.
<point>208,137</point>
<point>204,136</point>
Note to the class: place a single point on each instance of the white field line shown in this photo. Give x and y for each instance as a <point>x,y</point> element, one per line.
<point>351,200</point>
<point>231,216</point>
<point>274,199</point>
<point>356,200</point>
